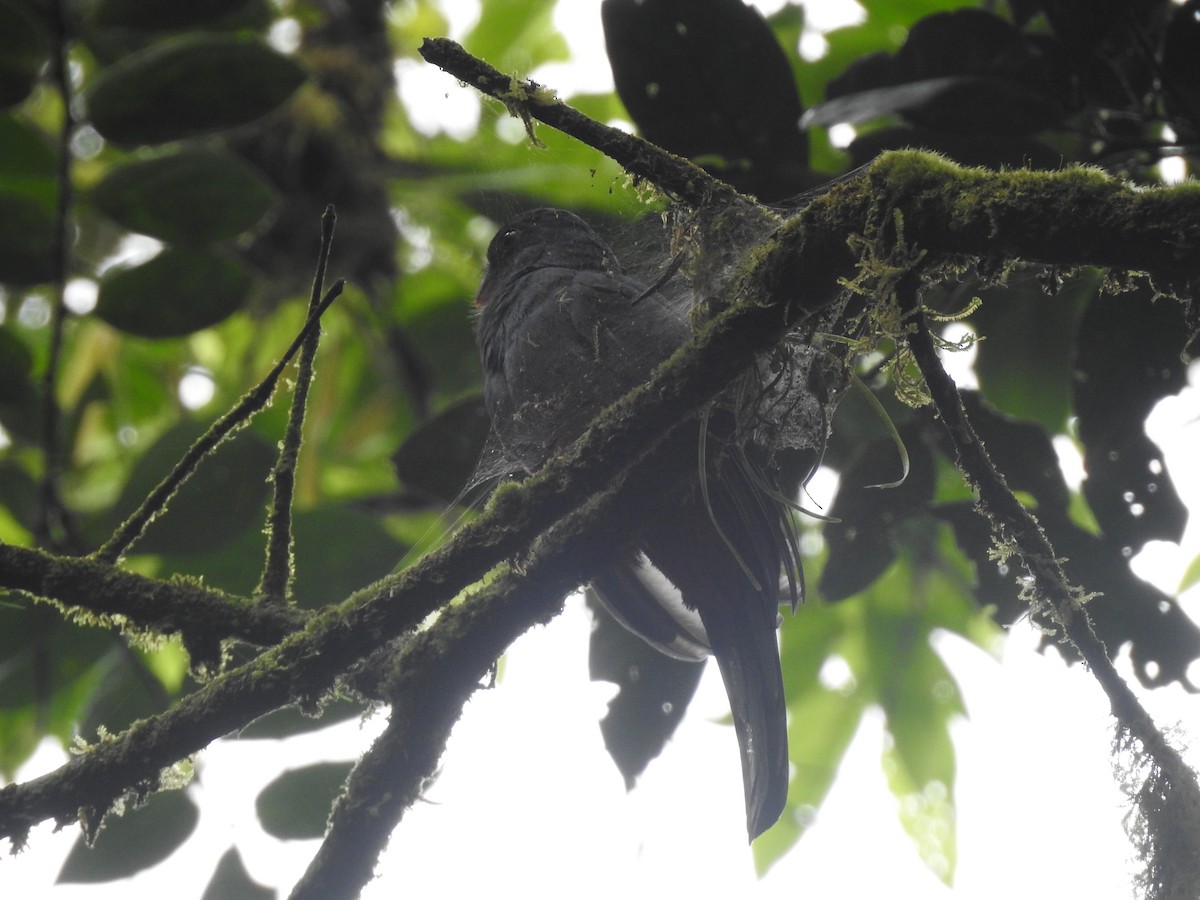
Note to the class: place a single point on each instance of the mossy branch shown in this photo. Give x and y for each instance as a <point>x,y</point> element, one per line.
<point>456,654</point>
<point>1170,794</point>
<point>1078,216</point>
<point>96,593</point>
<point>675,176</point>
<point>275,585</point>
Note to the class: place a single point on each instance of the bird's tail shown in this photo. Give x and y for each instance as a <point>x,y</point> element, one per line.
<point>740,621</point>
<point>741,631</point>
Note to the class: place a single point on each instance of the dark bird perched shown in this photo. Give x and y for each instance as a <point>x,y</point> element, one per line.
<point>564,332</point>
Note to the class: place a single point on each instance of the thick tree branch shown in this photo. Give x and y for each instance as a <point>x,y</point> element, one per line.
<point>95,591</point>
<point>1079,216</point>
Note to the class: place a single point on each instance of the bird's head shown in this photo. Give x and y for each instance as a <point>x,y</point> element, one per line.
<point>542,238</point>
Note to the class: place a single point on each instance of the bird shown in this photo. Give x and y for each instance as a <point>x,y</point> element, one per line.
<point>563,331</point>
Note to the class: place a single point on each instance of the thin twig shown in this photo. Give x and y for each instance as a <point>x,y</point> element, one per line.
<point>54,525</point>
<point>251,404</point>
<point>1011,522</point>
<point>1173,784</point>
<point>677,177</point>
<point>279,570</point>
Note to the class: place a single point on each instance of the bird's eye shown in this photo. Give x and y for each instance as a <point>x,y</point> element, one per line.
<point>503,244</point>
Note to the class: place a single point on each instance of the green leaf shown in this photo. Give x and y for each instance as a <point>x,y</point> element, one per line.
<point>190,85</point>
<point>231,881</point>
<point>920,699</point>
<point>863,546</point>
<point>124,693</point>
<point>27,230</point>
<point>1191,577</point>
<point>788,24</point>
<point>153,15</point>
<point>20,734</point>
<point>433,319</point>
<point>296,805</point>
<point>27,164</point>
<point>603,107</point>
<point>566,173</point>
<point>16,362</point>
<point>136,840</point>
<point>178,292</point>
<point>41,653</point>
<point>20,494</point>
<point>1034,382</point>
<point>882,635</point>
<point>191,197</point>
<point>926,808</point>
<point>23,48</point>
<point>911,11</point>
<point>341,548</point>
<point>1131,352</point>
<point>49,670</point>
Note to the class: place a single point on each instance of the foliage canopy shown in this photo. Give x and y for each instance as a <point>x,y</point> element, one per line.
<point>163,173</point>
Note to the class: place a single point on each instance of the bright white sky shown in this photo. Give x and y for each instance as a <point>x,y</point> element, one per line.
<point>529,802</point>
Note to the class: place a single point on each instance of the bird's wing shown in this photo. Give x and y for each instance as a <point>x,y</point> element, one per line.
<point>575,342</point>
<point>645,601</point>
